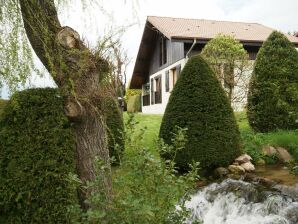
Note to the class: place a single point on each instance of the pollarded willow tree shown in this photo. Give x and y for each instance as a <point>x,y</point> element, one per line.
<point>230,62</point>
<point>79,73</point>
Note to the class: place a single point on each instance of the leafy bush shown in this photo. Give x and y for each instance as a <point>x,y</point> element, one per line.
<point>273,92</point>
<point>115,129</point>
<point>36,155</point>
<point>134,104</point>
<point>2,104</point>
<point>146,189</point>
<point>199,104</point>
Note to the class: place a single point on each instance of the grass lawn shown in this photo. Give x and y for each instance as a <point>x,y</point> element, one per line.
<point>251,142</point>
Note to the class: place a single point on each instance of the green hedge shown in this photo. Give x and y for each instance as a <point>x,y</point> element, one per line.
<point>115,129</point>
<point>273,92</point>
<point>37,153</point>
<point>134,104</point>
<point>2,104</point>
<point>199,104</point>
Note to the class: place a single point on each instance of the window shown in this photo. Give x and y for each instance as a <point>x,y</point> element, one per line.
<point>162,51</point>
<point>167,81</point>
<point>152,90</point>
<point>175,72</point>
<point>157,93</point>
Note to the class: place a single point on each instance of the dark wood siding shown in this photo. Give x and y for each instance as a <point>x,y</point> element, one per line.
<point>175,52</point>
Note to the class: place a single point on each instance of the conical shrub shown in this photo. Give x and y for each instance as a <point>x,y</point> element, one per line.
<point>273,91</point>
<point>199,104</point>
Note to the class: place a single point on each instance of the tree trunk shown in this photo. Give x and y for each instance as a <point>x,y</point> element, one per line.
<point>78,74</point>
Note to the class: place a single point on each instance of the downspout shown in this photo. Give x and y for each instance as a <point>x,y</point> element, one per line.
<point>192,46</point>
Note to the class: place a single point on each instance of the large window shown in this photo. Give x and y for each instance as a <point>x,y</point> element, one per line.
<point>162,51</point>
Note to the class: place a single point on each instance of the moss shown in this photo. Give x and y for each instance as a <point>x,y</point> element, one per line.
<point>37,153</point>
<point>115,127</point>
<point>199,104</point>
<point>273,92</point>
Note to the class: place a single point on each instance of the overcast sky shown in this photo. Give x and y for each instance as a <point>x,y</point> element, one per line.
<point>277,14</point>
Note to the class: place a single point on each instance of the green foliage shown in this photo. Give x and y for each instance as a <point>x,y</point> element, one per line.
<point>146,189</point>
<point>273,92</point>
<point>253,142</point>
<point>37,153</point>
<point>132,92</point>
<point>134,104</point>
<point>2,104</point>
<point>16,63</point>
<point>115,129</point>
<point>229,60</point>
<point>199,104</point>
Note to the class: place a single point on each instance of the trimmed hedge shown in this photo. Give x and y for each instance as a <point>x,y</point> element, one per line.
<point>199,104</point>
<point>37,152</point>
<point>115,129</point>
<point>134,104</point>
<point>273,92</point>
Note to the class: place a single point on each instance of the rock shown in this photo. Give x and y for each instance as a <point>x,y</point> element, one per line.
<point>261,162</point>
<point>269,150</point>
<point>236,163</point>
<point>248,166</point>
<point>243,159</point>
<point>283,155</point>
<point>201,183</point>
<point>234,176</point>
<point>221,172</point>
<point>236,169</point>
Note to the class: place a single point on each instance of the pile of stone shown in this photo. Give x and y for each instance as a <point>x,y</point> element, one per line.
<point>241,165</point>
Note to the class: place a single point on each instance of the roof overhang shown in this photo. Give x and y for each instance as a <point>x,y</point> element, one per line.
<point>141,69</point>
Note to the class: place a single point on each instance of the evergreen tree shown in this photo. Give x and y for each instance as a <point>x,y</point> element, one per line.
<point>273,92</point>
<point>199,104</point>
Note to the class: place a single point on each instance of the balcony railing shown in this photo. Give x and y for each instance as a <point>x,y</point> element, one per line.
<point>146,100</point>
<point>157,96</point>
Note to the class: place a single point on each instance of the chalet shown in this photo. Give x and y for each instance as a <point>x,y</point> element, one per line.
<point>167,43</point>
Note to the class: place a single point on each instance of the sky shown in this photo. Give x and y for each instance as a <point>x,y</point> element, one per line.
<point>95,20</point>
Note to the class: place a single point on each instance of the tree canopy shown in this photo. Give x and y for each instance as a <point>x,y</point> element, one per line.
<point>229,60</point>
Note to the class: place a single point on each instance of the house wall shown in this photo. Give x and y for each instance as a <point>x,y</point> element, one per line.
<point>175,52</point>
<point>160,108</point>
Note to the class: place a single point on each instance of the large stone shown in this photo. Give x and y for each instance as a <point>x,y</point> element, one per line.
<point>269,150</point>
<point>248,166</point>
<point>243,159</point>
<point>236,169</point>
<point>283,155</point>
<point>221,172</point>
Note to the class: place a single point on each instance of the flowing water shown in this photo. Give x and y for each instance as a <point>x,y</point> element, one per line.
<point>239,202</point>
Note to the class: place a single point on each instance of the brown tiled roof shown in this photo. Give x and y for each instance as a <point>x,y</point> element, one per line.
<point>207,29</point>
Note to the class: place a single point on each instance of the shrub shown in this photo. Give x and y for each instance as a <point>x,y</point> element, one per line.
<point>141,188</point>
<point>199,104</point>
<point>273,92</point>
<point>134,104</point>
<point>115,129</point>
<point>2,104</point>
<point>36,155</point>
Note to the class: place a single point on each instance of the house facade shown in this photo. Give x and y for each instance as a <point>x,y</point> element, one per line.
<point>166,45</point>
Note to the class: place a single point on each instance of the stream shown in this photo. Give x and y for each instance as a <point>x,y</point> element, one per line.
<point>240,202</point>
